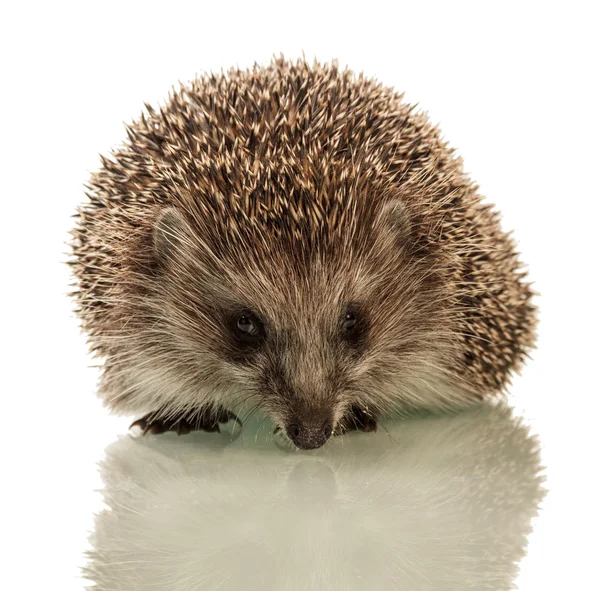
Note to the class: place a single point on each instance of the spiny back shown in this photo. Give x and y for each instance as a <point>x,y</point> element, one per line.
<point>300,158</point>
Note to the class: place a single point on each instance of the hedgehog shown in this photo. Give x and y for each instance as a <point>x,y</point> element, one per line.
<point>298,240</point>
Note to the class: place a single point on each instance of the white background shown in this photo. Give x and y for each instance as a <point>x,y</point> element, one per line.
<point>513,87</point>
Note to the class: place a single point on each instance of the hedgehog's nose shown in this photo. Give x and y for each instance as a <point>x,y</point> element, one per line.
<point>309,435</point>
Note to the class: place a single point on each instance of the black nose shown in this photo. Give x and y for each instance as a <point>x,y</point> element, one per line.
<point>307,435</point>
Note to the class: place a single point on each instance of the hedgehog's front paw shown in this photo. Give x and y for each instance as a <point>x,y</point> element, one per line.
<point>206,418</point>
<point>357,419</point>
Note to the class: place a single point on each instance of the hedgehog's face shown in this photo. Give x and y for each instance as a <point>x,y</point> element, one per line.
<point>303,363</point>
<point>306,342</point>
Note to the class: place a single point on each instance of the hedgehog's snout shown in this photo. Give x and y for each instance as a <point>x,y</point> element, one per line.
<point>309,433</point>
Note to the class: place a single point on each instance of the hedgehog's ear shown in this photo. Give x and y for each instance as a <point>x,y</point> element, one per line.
<point>170,231</point>
<point>396,216</point>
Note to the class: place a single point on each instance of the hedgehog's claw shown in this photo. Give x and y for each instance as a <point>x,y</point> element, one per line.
<point>204,419</point>
<point>357,419</point>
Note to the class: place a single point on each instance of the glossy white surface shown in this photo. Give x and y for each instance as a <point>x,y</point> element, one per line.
<point>514,88</point>
<point>427,503</point>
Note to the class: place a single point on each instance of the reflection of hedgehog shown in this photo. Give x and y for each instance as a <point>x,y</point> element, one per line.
<point>442,503</point>
<point>297,238</point>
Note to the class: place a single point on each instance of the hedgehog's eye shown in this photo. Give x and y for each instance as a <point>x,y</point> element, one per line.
<point>246,333</point>
<point>248,325</point>
<point>354,327</point>
<point>349,322</point>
